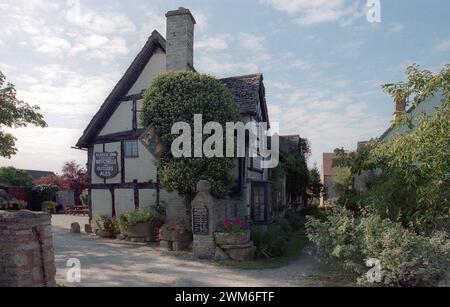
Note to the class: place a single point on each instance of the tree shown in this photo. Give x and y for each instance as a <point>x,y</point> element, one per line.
<point>315,185</point>
<point>297,176</point>
<point>177,97</point>
<point>14,113</point>
<point>412,184</point>
<point>11,176</point>
<point>73,178</point>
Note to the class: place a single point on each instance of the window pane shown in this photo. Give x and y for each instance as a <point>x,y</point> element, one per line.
<point>131,149</point>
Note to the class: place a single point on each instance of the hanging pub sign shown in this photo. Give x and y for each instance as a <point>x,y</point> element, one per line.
<point>200,221</point>
<point>106,164</point>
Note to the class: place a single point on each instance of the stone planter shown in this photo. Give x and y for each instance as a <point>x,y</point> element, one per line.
<point>238,238</point>
<point>144,231</point>
<point>236,246</point>
<point>173,240</point>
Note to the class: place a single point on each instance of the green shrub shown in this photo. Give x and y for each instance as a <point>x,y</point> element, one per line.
<point>177,97</point>
<point>270,243</point>
<point>42,193</point>
<point>49,206</point>
<point>142,216</point>
<point>338,238</point>
<point>407,258</point>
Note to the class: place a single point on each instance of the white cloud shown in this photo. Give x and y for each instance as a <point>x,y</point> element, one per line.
<point>224,65</point>
<point>66,96</point>
<point>443,46</point>
<point>45,149</point>
<point>307,12</point>
<point>51,45</point>
<point>396,28</point>
<point>97,22</point>
<point>217,42</point>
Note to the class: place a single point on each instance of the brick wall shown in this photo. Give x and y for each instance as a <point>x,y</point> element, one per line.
<point>26,249</point>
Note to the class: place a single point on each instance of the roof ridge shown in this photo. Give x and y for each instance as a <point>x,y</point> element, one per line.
<point>244,76</point>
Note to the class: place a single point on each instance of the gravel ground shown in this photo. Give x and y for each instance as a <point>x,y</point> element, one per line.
<point>113,263</point>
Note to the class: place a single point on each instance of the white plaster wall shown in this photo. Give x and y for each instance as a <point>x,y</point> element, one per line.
<point>427,107</point>
<point>142,168</point>
<point>139,108</point>
<point>124,200</point>
<point>121,120</point>
<point>155,67</point>
<point>147,198</point>
<point>101,202</point>
<point>95,178</point>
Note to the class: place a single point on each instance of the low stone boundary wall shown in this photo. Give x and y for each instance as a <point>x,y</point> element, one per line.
<point>26,249</point>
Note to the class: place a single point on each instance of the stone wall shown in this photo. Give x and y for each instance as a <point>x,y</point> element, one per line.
<point>26,249</point>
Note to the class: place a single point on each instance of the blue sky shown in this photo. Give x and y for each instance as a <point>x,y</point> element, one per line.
<point>322,61</point>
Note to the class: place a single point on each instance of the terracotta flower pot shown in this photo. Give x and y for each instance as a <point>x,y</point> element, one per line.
<point>238,238</point>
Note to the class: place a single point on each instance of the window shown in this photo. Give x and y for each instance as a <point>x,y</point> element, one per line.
<point>261,208</point>
<point>131,149</point>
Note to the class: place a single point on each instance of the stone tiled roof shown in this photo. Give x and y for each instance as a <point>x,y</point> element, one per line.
<point>245,91</point>
<point>35,175</point>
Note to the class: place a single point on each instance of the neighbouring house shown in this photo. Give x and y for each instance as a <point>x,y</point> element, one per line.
<point>36,175</point>
<point>129,177</point>
<point>329,172</point>
<point>428,107</point>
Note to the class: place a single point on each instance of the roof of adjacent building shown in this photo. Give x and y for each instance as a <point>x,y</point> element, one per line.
<point>35,175</point>
<point>247,90</point>
<point>327,164</point>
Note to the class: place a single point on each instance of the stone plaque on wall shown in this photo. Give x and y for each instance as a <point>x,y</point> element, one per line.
<point>106,164</point>
<point>200,221</point>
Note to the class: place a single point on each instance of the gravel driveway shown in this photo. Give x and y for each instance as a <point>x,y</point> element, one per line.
<point>119,263</point>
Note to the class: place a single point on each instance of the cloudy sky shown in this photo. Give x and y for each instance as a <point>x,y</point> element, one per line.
<point>323,62</point>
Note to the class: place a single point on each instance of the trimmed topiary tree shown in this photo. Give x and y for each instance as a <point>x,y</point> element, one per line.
<point>177,97</point>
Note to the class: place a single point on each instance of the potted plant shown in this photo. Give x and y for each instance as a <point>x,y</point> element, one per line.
<point>122,223</point>
<point>106,227</point>
<point>143,224</point>
<point>235,233</point>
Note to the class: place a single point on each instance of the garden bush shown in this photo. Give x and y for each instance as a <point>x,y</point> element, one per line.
<point>270,243</point>
<point>142,216</point>
<point>407,258</point>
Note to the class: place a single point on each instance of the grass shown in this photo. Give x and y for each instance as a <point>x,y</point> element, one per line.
<point>297,243</point>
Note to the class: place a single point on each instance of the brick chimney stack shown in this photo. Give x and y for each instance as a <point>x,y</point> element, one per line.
<point>399,108</point>
<point>180,40</point>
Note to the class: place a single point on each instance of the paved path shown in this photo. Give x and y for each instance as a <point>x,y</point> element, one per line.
<point>119,263</point>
